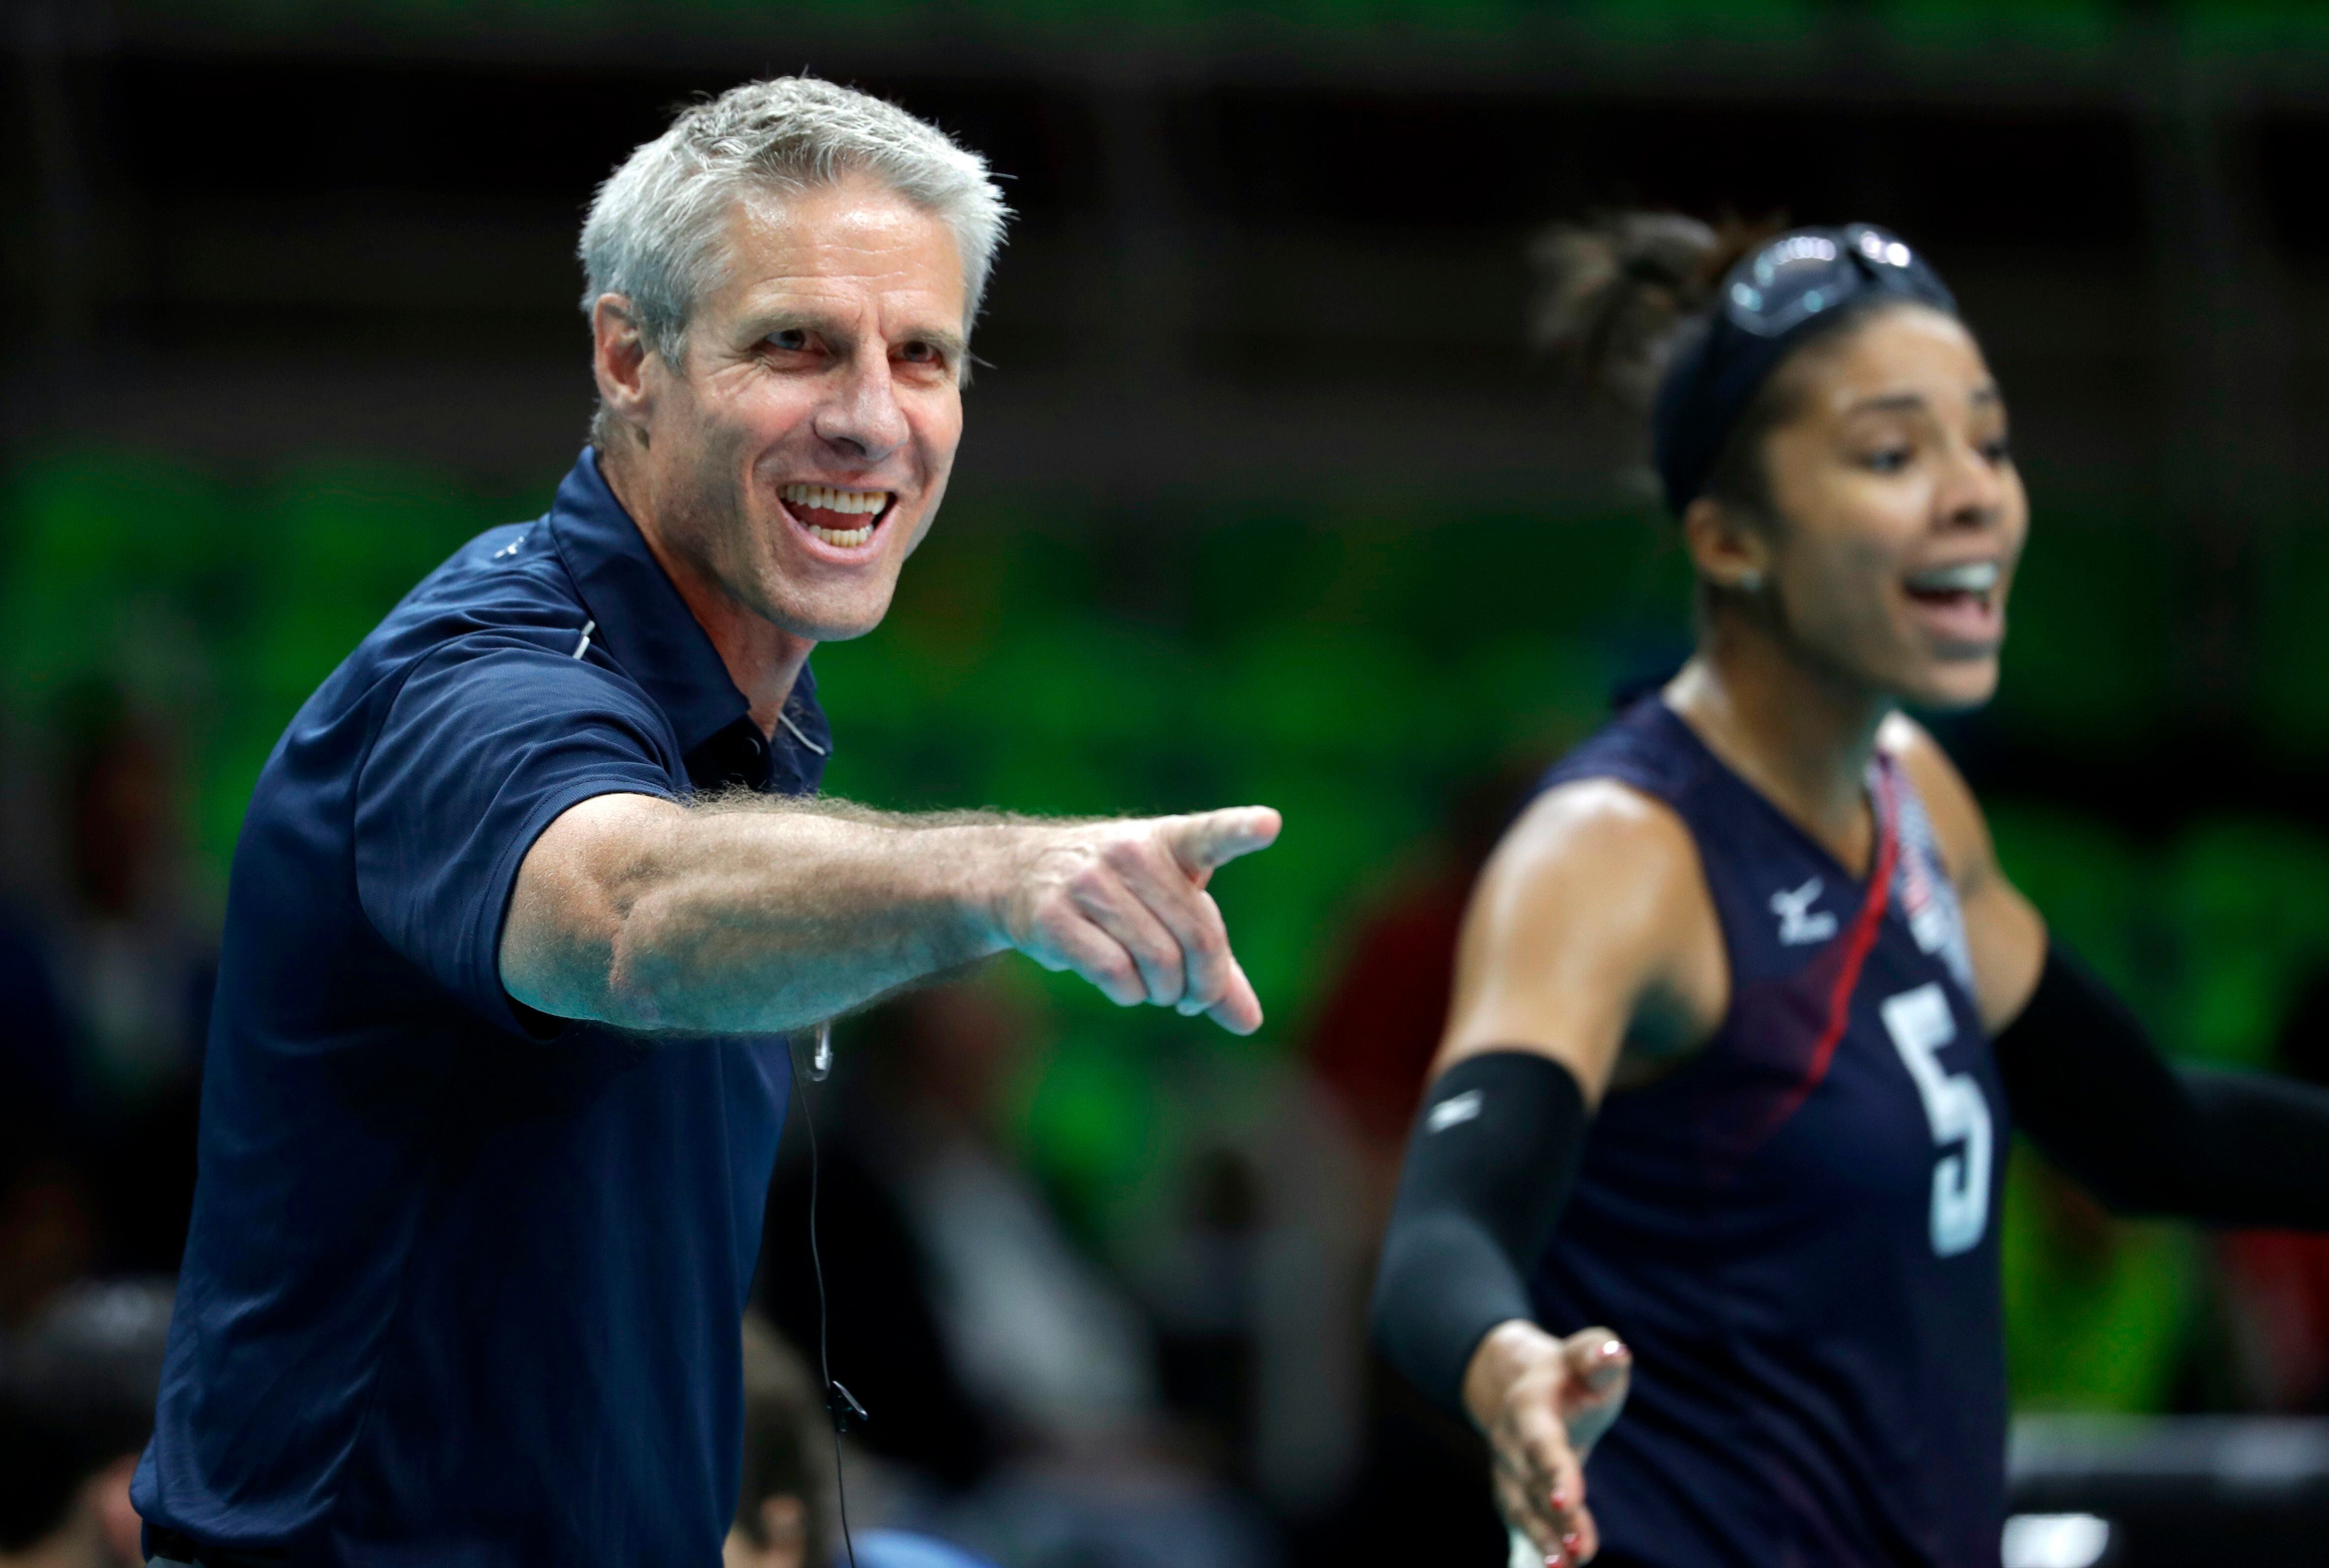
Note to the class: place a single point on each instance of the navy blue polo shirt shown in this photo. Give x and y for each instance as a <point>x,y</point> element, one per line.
<point>464,1285</point>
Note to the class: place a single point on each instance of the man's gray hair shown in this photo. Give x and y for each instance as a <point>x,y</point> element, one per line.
<point>656,228</point>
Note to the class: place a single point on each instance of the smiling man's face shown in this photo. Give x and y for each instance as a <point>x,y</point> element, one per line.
<point>799,459</point>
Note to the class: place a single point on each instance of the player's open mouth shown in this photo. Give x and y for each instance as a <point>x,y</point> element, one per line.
<point>1962,599</point>
<point>844,519</point>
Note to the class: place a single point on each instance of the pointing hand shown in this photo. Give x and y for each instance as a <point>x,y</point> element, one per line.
<point>1124,904</point>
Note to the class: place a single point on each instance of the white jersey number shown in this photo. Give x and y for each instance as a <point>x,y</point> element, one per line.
<point>1921,1024</point>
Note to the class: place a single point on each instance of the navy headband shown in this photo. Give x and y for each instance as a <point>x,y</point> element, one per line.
<point>1789,290</point>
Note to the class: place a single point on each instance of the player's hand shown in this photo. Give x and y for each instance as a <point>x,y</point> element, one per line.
<point>1124,904</point>
<point>1543,1402</point>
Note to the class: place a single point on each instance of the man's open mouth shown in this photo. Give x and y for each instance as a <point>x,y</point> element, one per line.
<point>843,519</point>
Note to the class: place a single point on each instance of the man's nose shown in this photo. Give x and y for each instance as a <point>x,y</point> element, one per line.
<point>861,420</point>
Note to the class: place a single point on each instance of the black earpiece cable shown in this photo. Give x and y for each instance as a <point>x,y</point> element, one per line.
<point>839,1402</point>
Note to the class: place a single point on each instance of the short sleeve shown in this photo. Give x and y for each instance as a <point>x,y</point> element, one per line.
<point>482,748</point>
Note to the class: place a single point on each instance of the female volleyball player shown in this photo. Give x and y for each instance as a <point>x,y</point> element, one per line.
<point>1753,936</point>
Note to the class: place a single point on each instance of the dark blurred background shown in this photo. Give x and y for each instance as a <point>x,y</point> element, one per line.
<point>1261,499</point>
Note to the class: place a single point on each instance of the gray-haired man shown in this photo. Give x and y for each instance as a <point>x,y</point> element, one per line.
<point>496,1069</point>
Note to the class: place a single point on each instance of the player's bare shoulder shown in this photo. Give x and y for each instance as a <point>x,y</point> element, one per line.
<point>1597,899</point>
<point>2004,932</point>
<point>1599,829</point>
<point>1961,831</point>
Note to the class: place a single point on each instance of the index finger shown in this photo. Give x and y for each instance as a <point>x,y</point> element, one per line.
<point>1210,838</point>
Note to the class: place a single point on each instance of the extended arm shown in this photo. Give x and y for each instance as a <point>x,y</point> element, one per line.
<point>2082,1076</point>
<point>1570,938</point>
<point>721,918</point>
<point>2148,1138</point>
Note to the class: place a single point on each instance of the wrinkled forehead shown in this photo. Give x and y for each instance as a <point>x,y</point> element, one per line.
<point>854,242</point>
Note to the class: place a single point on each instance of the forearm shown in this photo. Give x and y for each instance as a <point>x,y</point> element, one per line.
<point>2146,1138</point>
<point>1488,1168</point>
<point>2265,1151</point>
<point>767,917</point>
<point>1444,1287</point>
<point>755,917</point>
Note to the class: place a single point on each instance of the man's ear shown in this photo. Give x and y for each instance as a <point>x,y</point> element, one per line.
<point>1729,551</point>
<point>618,358</point>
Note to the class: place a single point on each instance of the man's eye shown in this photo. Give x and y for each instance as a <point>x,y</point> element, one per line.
<point>1887,460</point>
<point>1998,451</point>
<point>791,340</point>
<point>921,354</point>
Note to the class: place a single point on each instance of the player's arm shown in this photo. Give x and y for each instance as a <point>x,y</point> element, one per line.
<point>647,915</point>
<point>2083,1076</point>
<point>1586,920</point>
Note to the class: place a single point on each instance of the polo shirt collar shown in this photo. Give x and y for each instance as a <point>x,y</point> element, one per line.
<point>647,627</point>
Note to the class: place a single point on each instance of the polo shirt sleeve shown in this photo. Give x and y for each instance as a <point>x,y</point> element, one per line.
<point>482,748</point>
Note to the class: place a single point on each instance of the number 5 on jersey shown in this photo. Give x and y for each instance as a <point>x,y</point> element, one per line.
<point>1921,1024</point>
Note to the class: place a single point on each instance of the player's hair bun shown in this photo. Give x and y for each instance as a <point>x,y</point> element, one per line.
<point>1612,292</point>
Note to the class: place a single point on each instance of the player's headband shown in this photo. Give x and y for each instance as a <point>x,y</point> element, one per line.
<point>1788,289</point>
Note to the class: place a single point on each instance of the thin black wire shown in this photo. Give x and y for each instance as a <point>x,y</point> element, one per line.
<point>817,1267</point>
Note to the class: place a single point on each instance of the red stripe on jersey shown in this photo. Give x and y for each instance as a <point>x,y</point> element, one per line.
<point>1857,942</point>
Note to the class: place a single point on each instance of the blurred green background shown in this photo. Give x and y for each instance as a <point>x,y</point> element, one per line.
<point>1263,500</point>
<point>1357,670</point>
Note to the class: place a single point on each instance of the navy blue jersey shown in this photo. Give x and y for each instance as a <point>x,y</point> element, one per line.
<point>462,1285</point>
<point>1795,1229</point>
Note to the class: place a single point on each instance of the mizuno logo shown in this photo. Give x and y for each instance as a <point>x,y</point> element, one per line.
<point>1800,924</point>
<point>1453,1112</point>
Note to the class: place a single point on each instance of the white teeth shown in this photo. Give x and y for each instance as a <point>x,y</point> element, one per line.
<point>1968,577</point>
<point>826,498</point>
<point>846,538</point>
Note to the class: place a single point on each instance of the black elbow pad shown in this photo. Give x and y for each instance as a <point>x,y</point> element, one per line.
<point>1489,1165</point>
<point>2146,1137</point>
<point>2084,1081</point>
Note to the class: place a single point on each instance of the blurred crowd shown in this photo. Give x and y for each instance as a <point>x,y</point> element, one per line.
<point>106,962</point>
<point>1040,1382</point>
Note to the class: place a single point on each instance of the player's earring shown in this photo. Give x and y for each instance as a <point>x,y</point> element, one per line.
<point>1751,582</point>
